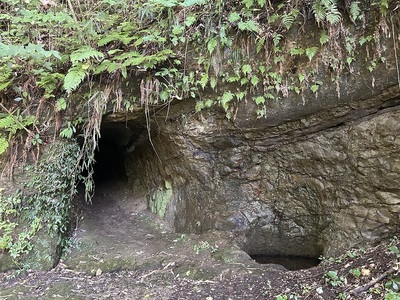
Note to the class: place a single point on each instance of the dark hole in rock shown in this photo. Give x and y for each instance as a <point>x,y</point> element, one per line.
<point>110,164</point>
<point>290,262</point>
<point>116,140</point>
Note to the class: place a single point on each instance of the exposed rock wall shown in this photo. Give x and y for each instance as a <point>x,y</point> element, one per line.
<point>302,187</point>
<point>319,173</point>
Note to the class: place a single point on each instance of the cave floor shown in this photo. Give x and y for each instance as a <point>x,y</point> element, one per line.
<point>122,251</point>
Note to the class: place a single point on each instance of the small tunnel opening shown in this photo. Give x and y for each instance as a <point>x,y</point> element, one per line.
<point>276,243</point>
<point>290,262</point>
<point>110,155</point>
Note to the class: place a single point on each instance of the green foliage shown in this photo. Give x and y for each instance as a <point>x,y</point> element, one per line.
<point>392,296</point>
<point>84,54</point>
<point>81,65</point>
<point>74,78</point>
<point>249,25</point>
<point>61,104</point>
<point>234,17</point>
<point>44,205</point>
<point>326,10</point>
<point>7,224</point>
<point>355,272</point>
<point>225,99</point>
<point>393,284</point>
<point>315,87</point>
<point>324,38</point>
<point>117,38</point>
<point>342,296</point>
<point>11,124</point>
<point>30,51</point>
<point>355,11</point>
<point>69,131</point>
<point>334,279</point>
<point>259,100</point>
<point>296,51</point>
<point>384,6</point>
<point>3,145</point>
<point>310,52</point>
<point>394,249</point>
<point>286,297</point>
<point>289,18</point>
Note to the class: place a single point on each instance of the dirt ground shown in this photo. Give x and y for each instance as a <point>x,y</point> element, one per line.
<point>121,251</point>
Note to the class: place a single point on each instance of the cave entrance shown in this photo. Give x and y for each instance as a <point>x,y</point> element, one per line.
<point>115,139</point>
<point>292,243</point>
<point>290,262</point>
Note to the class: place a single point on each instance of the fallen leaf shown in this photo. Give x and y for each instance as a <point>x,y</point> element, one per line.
<point>365,272</point>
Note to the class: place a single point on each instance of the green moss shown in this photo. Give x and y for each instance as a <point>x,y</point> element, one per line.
<point>160,199</point>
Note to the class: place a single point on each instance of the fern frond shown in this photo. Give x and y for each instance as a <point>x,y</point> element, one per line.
<point>333,17</point>
<point>122,37</point>
<point>106,65</point>
<point>355,11</point>
<point>310,52</point>
<point>249,25</point>
<point>318,11</point>
<point>74,78</point>
<point>296,51</point>
<point>324,38</point>
<point>85,53</point>
<point>326,10</point>
<point>3,145</point>
<point>6,122</point>
<point>225,99</point>
<point>287,21</point>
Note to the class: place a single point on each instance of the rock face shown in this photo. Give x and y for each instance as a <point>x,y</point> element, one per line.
<point>316,185</point>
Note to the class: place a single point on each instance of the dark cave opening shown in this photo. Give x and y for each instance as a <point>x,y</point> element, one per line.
<point>111,153</point>
<point>269,242</point>
<point>290,262</point>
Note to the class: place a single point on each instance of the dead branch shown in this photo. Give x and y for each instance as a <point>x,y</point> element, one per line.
<point>366,287</point>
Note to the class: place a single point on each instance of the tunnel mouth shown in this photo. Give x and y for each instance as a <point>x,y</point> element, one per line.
<point>109,163</point>
<point>116,140</point>
<point>290,262</point>
<point>276,244</point>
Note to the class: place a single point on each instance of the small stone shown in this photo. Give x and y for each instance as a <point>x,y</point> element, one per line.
<point>99,272</point>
